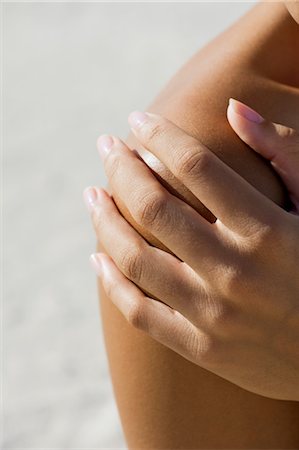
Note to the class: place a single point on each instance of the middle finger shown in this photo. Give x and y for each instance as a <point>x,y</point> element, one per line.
<point>173,222</point>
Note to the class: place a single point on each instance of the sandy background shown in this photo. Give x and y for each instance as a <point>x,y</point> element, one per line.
<point>71,71</point>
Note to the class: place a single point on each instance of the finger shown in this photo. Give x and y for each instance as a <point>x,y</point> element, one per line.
<point>162,323</point>
<point>172,221</point>
<point>158,273</point>
<point>225,193</point>
<point>275,142</point>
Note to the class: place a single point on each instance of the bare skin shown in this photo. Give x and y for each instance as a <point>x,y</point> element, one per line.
<point>227,297</point>
<point>164,400</point>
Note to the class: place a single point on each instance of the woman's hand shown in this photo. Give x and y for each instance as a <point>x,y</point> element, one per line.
<point>226,296</point>
<point>275,142</point>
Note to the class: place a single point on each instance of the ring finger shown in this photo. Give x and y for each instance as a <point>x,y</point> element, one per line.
<point>161,275</point>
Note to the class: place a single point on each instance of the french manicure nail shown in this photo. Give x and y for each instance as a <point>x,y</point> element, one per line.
<point>96,264</point>
<point>90,196</point>
<point>137,118</point>
<point>245,111</point>
<point>104,145</point>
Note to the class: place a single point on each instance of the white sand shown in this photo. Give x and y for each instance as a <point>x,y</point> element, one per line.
<point>71,72</point>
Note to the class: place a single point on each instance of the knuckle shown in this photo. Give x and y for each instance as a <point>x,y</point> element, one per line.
<point>155,131</point>
<point>97,220</point>
<point>192,162</point>
<point>277,238</point>
<point>268,233</point>
<point>136,315</point>
<point>208,351</point>
<point>230,283</point>
<point>112,164</point>
<point>221,317</point>
<point>131,263</point>
<point>287,133</point>
<point>109,288</point>
<point>150,209</point>
<point>232,280</point>
<point>287,142</point>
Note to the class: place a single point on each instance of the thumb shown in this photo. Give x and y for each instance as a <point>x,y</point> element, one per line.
<point>275,142</point>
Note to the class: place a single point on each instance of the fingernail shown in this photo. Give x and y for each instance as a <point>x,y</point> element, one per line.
<point>104,145</point>
<point>245,111</point>
<point>137,118</point>
<point>96,264</point>
<point>90,196</point>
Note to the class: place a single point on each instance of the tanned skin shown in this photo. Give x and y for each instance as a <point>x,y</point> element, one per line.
<point>165,401</point>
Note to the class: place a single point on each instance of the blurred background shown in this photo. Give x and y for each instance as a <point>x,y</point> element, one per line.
<point>72,71</point>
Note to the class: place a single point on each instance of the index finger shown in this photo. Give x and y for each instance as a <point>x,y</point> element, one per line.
<point>235,202</point>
